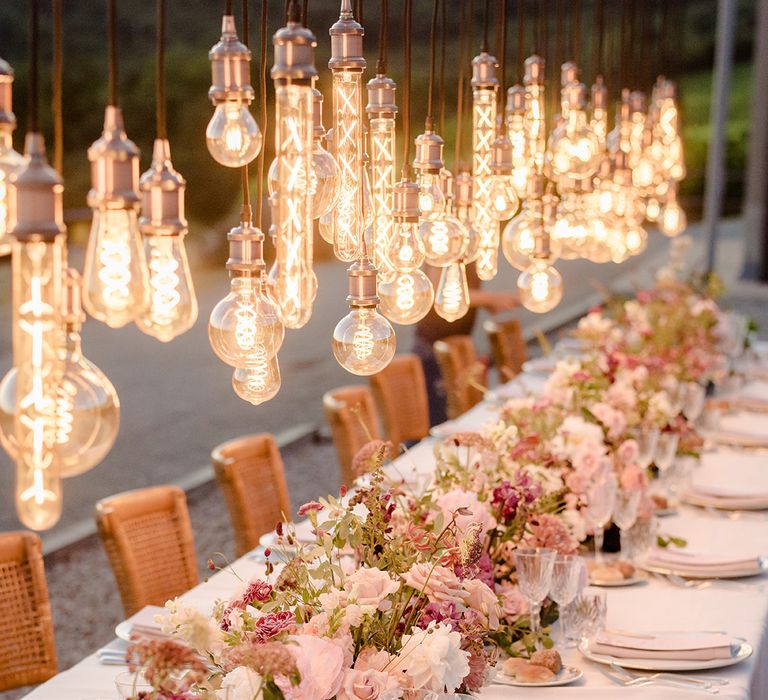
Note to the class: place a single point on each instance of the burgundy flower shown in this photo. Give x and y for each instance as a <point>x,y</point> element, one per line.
<point>309,507</point>
<point>505,500</point>
<point>272,624</point>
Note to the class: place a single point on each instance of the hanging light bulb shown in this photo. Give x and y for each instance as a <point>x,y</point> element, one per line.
<point>572,225</point>
<point>246,319</point>
<point>599,111</point>
<point>518,242</point>
<point>233,136</point>
<point>452,299</point>
<point>573,148</point>
<point>484,87</point>
<point>293,73</point>
<point>260,381</point>
<point>38,243</point>
<point>540,284</point>
<point>672,218</point>
<point>518,137</point>
<point>535,117</point>
<point>347,64</point>
<point>11,162</point>
<point>407,294</point>
<point>325,172</point>
<point>504,199</point>
<point>115,272</point>
<point>635,239</point>
<point>363,341</point>
<point>464,213</point>
<point>381,110</point>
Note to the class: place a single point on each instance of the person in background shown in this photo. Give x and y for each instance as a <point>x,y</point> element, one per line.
<point>432,327</point>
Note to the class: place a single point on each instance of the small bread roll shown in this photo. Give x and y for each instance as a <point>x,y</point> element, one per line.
<point>533,673</point>
<point>627,570</point>
<point>549,658</point>
<point>510,666</point>
<point>606,573</point>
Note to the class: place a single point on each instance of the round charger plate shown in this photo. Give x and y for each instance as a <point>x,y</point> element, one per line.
<point>617,584</point>
<point>566,675</point>
<point>123,630</point>
<point>725,502</point>
<point>744,652</point>
<point>539,365</point>
<point>744,572</point>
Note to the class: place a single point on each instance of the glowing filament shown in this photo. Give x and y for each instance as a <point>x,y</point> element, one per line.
<point>164,284</point>
<point>483,135</point>
<point>405,292</point>
<point>363,342</point>
<point>383,180</point>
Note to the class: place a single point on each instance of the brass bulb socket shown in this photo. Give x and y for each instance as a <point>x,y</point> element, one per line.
<point>162,195</point>
<point>230,66</point>
<point>516,100</point>
<point>637,101</point>
<point>39,196</point>
<point>569,73</point>
<point>484,71</point>
<point>7,117</point>
<point>599,94</point>
<point>429,153</point>
<point>405,201</point>
<point>361,278</point>
<point>501,156</point>
<point>575,95</point>
<point>246,250</point>
<point>535,67</point>
<point>381,98</point>
<point>346,42</point>
<point>535,186</point>
<point>463,189</point>
<point>294,54</point>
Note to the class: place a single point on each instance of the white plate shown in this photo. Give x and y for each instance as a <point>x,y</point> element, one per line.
<point>744,652</point>
<point>566,675</point>
<point>617,584</point>
<point>539,365</point>
<point>123,630</point>
<point>725,502</point>
<point>762,567</point>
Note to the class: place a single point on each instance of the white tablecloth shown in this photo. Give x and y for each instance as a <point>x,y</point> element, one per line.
<point>740,609</point>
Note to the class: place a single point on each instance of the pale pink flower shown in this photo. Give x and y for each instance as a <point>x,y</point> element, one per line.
<point>367,685</point>
<point>457,500</point>
<point>614,421</point>
<point>633,478</point>
<point>628,451</point>
<point>483,599</point>
<point>438,583</point>
<point>513,602</point>
<point>549,531</point>
<point>320,663</point>
<point>368,586</point>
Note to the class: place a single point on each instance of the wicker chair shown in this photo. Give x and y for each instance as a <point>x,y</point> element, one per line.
<point>508,347</point>
<point>351,414</point>
<point>27,646</point>
<point>251,475</point>
<point>459,363</point>
<point>400,392</point>
<point>149,543</point>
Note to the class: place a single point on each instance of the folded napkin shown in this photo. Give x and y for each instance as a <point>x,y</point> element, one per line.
<point>753,390</point>
<point>702,562</point>
<point>745,423</point>
<point>683,647</point>
<point>740,491</point>
<point>113,654</point>
<point>143,622</point>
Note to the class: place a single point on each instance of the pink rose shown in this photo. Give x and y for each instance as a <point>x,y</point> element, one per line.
<point>628,451</point>
<point>482,599</point>
<point>513,602</point>
<point>438,583</point>
<point>588,458</point>
<point>633,478</point>
<point>320,664</point>
<point>454,500</point>
<point>368,586</point>
<point>367,685</point>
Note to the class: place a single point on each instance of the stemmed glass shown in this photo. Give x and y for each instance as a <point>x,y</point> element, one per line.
<point>694,396</point>
<point>568,578</point>
<point>534,575</point>
<point>625,510</point>
<point>601,495</point>
<point>647,438</point>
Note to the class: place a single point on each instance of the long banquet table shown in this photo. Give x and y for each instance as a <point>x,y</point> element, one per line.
<point>738,608</point>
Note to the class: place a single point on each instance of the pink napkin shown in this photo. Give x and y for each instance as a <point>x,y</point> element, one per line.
<point>702,562</point>
<point>684,647</point>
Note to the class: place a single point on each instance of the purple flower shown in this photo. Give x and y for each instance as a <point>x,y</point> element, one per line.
<point>505,500</point>
<point>439,612</point>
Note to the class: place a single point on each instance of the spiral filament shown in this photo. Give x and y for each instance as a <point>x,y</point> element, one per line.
<point>348,132</point>
<point>405,291</point>
<point>258,373</point>
<point>483,134</point>
<point>452,301</point>
<point>245,323</point>
<point>540,286</point>
<point>363,342</point>
<point>164,285</point>
<point>535,124</point>
<point>439,242</point>
<point>383,171</point>
<point>65,406</point>
<point>115,272</point>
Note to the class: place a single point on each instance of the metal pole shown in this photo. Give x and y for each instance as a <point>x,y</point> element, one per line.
<point>756,176</point>
<point>721,83</point>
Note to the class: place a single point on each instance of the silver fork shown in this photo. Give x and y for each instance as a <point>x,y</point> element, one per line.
<point>622,678</point>
<point>707,682</point>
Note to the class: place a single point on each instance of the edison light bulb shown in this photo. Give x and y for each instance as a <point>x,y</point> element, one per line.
<point>431,197</point>
<point>293,72</point>
<point>260,381</point>
<point>540,286</point>
<point>463,209</point>
<point>233,136</point>
<point>406,296</point>
<point>324,179</point>
<point>11,162</point>
<point>484,87</point>
<point>535,116</point>
<point>518,137</point>
<point>573,147</point>
<point>452,299</point>
<point>38,244</point>
<point>635,240</point>
<point>87,408</point>
<point>599,111</point>
<point>363,341</point>
<point>115,273</point>
<point>406,249</point>
<point>672,218</point>
<point>246,319</point>
<point>444,240</point>
<point>503,196</point>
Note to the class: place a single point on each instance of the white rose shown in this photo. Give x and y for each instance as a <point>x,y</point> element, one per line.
<point>367,685</point>
<point>244,684</point>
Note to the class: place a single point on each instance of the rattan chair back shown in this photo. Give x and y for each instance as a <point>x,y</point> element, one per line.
<point>149,543</point>
<point>508,348</point>
<point>400,393</point>
<point>459,365</point>
<point>251,475</point>
<point>351,415</point>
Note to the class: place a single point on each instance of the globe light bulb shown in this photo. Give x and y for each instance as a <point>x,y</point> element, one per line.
<point>464,213</point>
<point>652,209</point>
<point>172,306</point>
<point>452,299</point>
<point>431,197</point>
<point>37,262</point>
<point>406,249</point>
<point>672,218</point>
<point>635,240</point>
<point>599,111</point>
<point>11,162</point>
<point>503,196</point>
<point>293,73</point>
<point>406,296</point>
<point>233,136</point>
<point>444,239</point>
<point>325,181</point>
<point>260,381</point>
<point>363,341</point>
<point>325,227</point>
<point>246,319</point>
<point>540,286</point>
<point>484,88</point>
<point>573,148</point>
<point>115,280</point>
<point>347,64</point>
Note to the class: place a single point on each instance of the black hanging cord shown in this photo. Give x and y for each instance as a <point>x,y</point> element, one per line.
<point>304,12</point>
<point>162,131</point>
<point>111,53</point>
<point>597,59</point>
<point>486,16</point>
<point>464,27</point>
<point>503,51</point>
<point>541,38</point>
<point>429,121</point>
<point>244,170</point>
<point>228,8</point>
<point>576,32</point>
<point>407,89</point>
<point>263,99</point>
<point>359,11</point>
<point>441,107</point>
<point>520,34</point>
<point>58,74</point>
<point>381,65</point>
<point>33,66</point>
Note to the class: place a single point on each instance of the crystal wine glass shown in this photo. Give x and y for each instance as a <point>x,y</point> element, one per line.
<point>568,576</point>
<point>646,446</point>
<point>601,495</point>
<point>586,614</point>
<point>694,398</point>
<point>666,450</point>
<point>534,574</point>
<point>625,510</point>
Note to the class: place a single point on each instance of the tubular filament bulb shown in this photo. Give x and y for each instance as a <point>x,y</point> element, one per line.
<point>164,282</point>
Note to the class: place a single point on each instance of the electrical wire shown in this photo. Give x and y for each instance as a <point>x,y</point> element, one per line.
<point>503,52</point>
<point>464,27</point>
<point>56,92</point>
<point>111,54</point>
<point>441,107</point>
<point>576,32</point>
<point>304,13</point>
<point>520,34</point>
<point>263,99</point>
<point>381,65</point>
<point>486,16</point>
<point>407,18</point>
<point>541,38</point>
<point>34,49</point>
<point>429,121</point>
<point>162,132</point>
<point>228,8</point>
<point>244,170</point>
<point>599,46</point>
